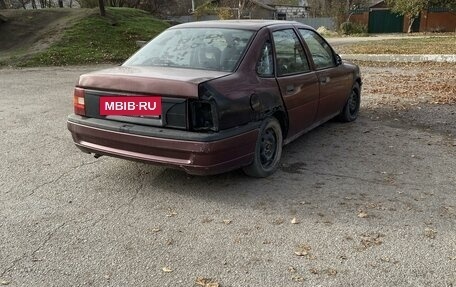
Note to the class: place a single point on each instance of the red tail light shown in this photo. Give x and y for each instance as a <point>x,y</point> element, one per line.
<point>79,102</point>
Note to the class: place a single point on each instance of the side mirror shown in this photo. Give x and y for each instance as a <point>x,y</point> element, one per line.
<point>338,60</point>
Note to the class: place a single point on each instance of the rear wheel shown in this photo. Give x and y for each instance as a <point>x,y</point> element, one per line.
<point>351,109</point>
<point>268,150</point>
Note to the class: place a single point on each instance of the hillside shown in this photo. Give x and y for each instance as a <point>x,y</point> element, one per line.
<point>73,36</point>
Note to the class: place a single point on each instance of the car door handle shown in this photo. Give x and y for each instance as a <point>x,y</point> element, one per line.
<point>290,88</point>
<point>325,80</point>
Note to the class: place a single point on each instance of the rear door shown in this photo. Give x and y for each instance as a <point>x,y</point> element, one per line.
<point>334,80</point>
<point>297,82</point>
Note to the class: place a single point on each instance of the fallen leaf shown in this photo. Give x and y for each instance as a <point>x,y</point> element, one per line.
<point>294,221</point>
<point>331,272</point>
<point>291,269</point>
<point>362,214</point>
<point>301,253</point>
<point>171,213</point>
<point>297,278</point>
<point>370,240</point>
<point>167,269</point>
<point>313,270</point>
<point>5,282</point>
<point>156,229</point>
<point>278,221</point>
<point>303,250</point>
<point>227,221</point>
<point>385,259</point>
<point>206,220</point>
<point>430,233</point>
<point>206,282</point>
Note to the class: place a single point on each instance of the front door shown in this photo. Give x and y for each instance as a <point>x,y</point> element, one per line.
<point>335,82</point>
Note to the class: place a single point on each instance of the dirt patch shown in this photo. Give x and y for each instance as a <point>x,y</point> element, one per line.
<point>33,31</point>
<point>421,95</point>
<point>428,83</point>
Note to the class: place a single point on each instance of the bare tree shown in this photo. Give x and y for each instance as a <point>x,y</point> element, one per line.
<point>2,4</point>
<point>24,3</point>
<point>102,8</point>
<point>239,5</point>
<point>158,6</point>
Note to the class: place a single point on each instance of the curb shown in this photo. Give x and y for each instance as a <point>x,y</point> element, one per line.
<point>450,58</point>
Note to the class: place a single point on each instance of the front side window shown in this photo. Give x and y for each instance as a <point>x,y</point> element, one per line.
<point>321,52</point>
<point>290,56</point>
<point>194,48</point>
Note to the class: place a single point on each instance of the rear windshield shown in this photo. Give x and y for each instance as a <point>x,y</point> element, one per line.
<point>213,49</point>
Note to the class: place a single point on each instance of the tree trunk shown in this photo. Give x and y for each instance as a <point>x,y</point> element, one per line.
<point>61,3</point>
<point>412,20</point>
<point>71,4</point>
<point>2,4</point>
<point>33,4</point>
<point>102,8</point>
<point>241,8</point>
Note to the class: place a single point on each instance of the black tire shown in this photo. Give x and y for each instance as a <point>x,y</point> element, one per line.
<point>351,109</point>
<point>268,150</point>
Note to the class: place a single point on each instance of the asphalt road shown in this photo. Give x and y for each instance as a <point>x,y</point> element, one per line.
<point>374,203</point>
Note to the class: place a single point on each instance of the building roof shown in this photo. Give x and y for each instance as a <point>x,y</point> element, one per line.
<point>263,5</point>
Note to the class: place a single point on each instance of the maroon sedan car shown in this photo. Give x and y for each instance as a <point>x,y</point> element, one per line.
<point>209,97</point>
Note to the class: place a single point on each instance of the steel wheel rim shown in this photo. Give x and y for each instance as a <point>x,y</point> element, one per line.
<point>268,148</point>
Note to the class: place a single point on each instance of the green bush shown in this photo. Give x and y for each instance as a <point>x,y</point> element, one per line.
<point>95,39</point>
<point>349,28</point>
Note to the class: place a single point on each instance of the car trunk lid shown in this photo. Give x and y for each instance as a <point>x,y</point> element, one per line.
<point>174,86</point>
<point>166,81</point>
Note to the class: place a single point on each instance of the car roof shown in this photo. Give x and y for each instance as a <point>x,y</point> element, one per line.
<point>239,24</point>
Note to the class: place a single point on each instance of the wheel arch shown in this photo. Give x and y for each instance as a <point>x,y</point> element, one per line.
<point>281,116</point>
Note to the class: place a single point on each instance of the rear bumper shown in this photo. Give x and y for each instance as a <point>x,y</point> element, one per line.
<point>196,153</point>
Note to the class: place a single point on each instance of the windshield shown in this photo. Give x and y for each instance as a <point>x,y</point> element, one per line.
<point>194,48</point>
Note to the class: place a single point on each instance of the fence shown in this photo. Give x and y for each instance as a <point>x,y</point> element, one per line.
<point>329,23</point>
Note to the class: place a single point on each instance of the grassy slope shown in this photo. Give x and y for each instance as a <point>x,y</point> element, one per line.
<point>95,39</point>
<point>431,45</point>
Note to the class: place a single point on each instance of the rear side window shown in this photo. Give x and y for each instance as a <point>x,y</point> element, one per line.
<point>290,56</point>
<point>321,52</point>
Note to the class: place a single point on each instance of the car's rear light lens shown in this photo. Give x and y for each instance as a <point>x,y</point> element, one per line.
<point>79,101</point>
<point>204,116</point>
